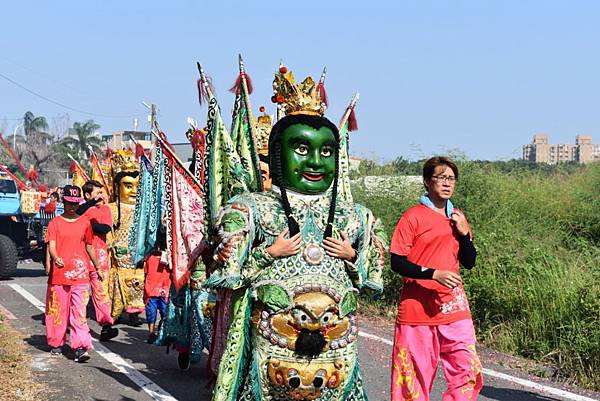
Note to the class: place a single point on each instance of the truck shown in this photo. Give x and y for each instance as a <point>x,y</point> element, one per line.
<point>21,235</point>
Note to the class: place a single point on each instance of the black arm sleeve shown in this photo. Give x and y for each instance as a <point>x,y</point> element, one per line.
<point>401,265</point>
<point>466,251</point>
<point>100,228</point>
<point>85,206</point>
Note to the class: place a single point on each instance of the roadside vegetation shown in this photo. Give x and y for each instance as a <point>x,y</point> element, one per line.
<point>535,290</point>
<point>17,381</point>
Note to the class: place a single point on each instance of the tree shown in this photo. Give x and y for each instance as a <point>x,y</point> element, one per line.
<point>85,138</point>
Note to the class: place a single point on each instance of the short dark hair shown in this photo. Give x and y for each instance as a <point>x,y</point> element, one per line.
<point>89,186</point>
<point>434,162</point>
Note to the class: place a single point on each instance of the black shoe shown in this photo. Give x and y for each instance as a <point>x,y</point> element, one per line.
<point>81,355</point>
<point>134,320</point>
<point>56,351</point>
<point>183,360</point>
<point>108,332</point>
<point>152,338</point>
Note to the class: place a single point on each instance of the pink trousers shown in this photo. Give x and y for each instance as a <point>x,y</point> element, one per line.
<point>66,306</point>
<point>417,350</point>
<point>100,299</point>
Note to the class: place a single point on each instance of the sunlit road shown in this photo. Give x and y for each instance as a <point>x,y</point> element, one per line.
<point>118,369</point>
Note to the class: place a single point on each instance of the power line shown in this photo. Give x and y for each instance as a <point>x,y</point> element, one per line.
<point>64,105</point>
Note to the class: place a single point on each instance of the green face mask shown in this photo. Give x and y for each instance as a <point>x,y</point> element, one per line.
<point>308,158</point>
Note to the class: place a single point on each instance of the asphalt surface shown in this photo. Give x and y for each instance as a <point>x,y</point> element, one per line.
<point>99,379</point>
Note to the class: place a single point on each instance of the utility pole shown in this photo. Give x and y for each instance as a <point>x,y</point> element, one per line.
<point>153,110</point>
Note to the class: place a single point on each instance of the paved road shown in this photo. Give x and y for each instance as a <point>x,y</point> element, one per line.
<point>116,376</point>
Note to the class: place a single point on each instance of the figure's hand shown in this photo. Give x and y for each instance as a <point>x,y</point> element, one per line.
<point>459,221</point>
<point>341,249</point>
<point>283,246</point>
<point>447,278</point>
<point>59,262</point>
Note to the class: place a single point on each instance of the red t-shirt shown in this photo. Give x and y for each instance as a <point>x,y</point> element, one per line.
<point>100,214</point>
<point>428,239</point>
<point>158,277</point>
<point>71,237</point>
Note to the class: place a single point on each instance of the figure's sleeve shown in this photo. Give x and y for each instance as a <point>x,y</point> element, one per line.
<point>372,243</point>
<point>238,261</point>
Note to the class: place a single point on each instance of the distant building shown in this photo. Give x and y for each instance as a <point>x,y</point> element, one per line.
<point>122,139</point>
<point>541,151</point>
<point>184,151</point>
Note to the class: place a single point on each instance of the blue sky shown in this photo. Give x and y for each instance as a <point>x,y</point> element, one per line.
<point>480,76</point>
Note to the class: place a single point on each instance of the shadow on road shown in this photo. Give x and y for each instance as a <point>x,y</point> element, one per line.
<point>503,394</point>
<point>122,379</point>
<point>29,271</point>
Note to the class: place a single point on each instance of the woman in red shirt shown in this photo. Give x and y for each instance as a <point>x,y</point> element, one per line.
<point>69,239</point>
<point>434,320</point>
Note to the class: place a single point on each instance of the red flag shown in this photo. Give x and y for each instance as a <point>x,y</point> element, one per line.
<point>185,213</point>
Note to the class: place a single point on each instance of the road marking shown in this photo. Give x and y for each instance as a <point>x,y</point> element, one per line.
<point>523,382</point>
<point>6,313</point>
<point>147,385</point>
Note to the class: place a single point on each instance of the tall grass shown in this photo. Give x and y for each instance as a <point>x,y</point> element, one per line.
<point>535,290</point>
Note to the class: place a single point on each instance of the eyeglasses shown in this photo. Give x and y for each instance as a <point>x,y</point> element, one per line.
<point>444,178</point>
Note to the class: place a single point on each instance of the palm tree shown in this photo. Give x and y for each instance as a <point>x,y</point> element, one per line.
<point>85,139</point>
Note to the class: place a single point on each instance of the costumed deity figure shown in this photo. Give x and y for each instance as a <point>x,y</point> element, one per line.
<point>262,126</point>
<point>296,258</point>
<point>127,278</point>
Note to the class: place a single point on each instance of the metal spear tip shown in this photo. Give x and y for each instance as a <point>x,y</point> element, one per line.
<point>241,62</point>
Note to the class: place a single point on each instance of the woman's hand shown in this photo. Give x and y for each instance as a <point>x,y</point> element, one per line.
<point>59,262</point>
<point>447,278</point>
<point>283,246</point>
<point>459,221</point>
<point>341,249</point>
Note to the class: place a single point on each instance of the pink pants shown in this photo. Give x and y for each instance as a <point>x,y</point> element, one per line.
<point>417,350</point>
<point>100,299</point>
<point>66,306</point>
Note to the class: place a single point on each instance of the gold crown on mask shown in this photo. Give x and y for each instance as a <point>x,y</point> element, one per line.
<point>123,161</point>
<point>293,98</point>
<point>262,125</point>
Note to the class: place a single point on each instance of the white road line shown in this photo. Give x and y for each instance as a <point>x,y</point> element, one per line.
<point>147,385</point>
<point>525,383</point>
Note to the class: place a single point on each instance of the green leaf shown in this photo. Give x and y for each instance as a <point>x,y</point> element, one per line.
<point>274,296</point>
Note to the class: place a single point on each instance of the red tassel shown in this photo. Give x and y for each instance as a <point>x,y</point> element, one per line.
<point>73,167</point>
<point>237,85</point>
<point>198,140</point>
<point>323,93</point>
<point>32,175</point>
<point>139,151</point>
<point>43,188</point>
<point>352,122</point>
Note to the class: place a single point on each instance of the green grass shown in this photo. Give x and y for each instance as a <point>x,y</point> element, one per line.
<point>535,290</point>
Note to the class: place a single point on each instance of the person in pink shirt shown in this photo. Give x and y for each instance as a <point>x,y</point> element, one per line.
<point>430,242</point>
<point>100,216</point>
<point>69,239</point>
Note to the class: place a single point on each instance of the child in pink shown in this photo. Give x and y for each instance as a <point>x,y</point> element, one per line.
<point>434,320</point>
<point>69,239</point>
<point>101,221</point>
<point>156,291</point>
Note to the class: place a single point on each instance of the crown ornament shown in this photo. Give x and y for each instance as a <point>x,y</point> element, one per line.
<point>294,98</point>
<point>123,161</point>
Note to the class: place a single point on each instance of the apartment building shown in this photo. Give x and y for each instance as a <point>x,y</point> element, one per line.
<point>541,151</point>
